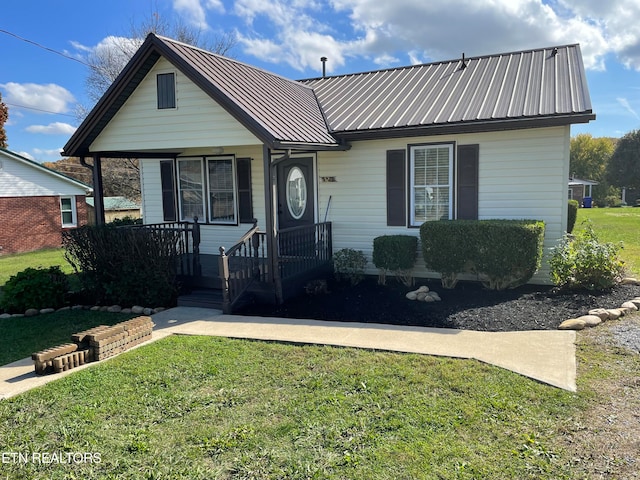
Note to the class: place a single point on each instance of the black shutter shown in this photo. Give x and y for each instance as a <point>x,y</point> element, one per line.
<point>467,172</point>
<point>245,202</point>
<point>167,180</point>
<point>396,188</point>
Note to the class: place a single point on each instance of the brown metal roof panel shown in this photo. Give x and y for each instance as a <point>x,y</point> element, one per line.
<point>501,107</point>
<point>479,87</point>
<point>520,87</point>
<point>494,88</point>
<point>534,88</point>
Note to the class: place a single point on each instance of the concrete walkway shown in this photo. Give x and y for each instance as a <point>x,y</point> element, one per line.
<point>546,355</point>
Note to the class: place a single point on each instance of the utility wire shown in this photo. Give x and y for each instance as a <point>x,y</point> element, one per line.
<point>38,109</point>
<point>44,48</point>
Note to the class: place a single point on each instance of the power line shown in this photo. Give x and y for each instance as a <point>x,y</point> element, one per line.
<point>38,109</point>
<point>44,48</point>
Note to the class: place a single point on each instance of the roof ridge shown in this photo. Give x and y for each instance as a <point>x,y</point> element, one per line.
<point>439,62</point>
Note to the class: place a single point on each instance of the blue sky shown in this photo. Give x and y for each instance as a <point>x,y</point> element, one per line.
<point>44,89</point>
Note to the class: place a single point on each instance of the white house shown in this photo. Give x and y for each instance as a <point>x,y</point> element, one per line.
<point>334,162</point>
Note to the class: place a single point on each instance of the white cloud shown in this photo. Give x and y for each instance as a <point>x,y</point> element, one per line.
<point>48,153</point>
<point>418,31</point>
<point>50,98</point>
<point>195,11</point>
<point>26,155</point>
<point>625,104</point>
<point>55,128</point>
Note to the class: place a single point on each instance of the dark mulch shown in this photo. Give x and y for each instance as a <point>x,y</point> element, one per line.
<point>469,306</point>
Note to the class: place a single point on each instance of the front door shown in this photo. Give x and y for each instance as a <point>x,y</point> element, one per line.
<point>296,195</point>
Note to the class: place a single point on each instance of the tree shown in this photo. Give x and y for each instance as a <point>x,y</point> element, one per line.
<point>107,63</point>
<point>589,159</point>
<point>4,116</point>
<point>623,170</point>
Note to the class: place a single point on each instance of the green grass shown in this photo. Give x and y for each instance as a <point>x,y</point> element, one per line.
<point>12,264</point>
<point>202,407</point>
<point>22,336</point>
<point>616,225</point>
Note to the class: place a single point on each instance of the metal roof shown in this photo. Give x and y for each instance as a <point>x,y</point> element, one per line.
<point>116,203</point>
<point>533,88</point>
<point>537,87</point>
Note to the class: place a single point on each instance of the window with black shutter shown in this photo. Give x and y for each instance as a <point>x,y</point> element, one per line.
<point>166,83</point>
<point>167,179</point>
<point>396,188</point>
<point>467,172</point>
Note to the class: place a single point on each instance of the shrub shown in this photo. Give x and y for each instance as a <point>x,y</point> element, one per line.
<point>612,201</point>
<point>396,254</point>
<point>572,215</point>
<point>125,221</point>
<point>504,253</point>
<point>35,288</point>
<point>349,264</point>
<point>584,262</point>
<point>125,266</point>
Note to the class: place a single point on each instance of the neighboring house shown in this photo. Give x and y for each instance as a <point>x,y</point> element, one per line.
<point>115,208</point>
<point>371,153</point>
<point>579,189</point>
<point>36,204</point>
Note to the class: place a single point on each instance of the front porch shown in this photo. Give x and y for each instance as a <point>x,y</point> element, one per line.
<point>250,270</point>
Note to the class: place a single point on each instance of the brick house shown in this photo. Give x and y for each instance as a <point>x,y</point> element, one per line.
<point>36,204</point>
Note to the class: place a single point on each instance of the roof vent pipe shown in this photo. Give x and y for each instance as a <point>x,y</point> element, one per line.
<point>464,65</point>
<point>324,66</point>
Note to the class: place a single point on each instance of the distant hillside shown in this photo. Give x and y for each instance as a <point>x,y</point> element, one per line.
<point>120,176</point>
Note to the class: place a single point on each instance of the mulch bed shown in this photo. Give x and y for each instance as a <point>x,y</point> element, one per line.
<point>469,306</point>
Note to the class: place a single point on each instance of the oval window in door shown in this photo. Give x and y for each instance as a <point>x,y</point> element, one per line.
<point>296,193</point>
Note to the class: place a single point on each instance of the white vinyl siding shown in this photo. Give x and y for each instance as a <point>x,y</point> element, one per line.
<point>522,174</point>
<point>197,121</point>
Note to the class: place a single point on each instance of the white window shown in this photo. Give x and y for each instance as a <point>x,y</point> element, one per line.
<point>431,183</point>
<point>191,189</point>
<point>68,211</point>
<point>222,188</point>
<point>208,189</point>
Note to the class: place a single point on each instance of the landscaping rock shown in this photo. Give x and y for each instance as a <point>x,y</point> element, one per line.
<point>630,305</point>
<point>614,313</point>
<point>95,308</point>
<point>573,324</point>
<point>44,311</point>
<point>77,307</point>
<point>629,281</point>
<point>114,309</point>
<point>126,310</point>
<point>18,315</point>
<point>411,296</point>
<point>5,315</point>
<point>420,296</point>
<point>600,312</point>
<point>104,309</point>
<point>591,320</point>
<point>147,311</point>
<point>159,309</point>
<point>434,296</point>
<point>429,299</point>
<point>31,312</point>
<point>636,302</point>
<point>63,309</point>
<point>424,288</point>
<point>137,309</point>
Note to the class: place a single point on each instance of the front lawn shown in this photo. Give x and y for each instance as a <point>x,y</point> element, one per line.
<point>12,264</point>
<point>200,407</point>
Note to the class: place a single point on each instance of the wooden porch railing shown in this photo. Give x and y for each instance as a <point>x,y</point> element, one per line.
<point>187,245</point>
<point>304,248</point>
<point>241,265</point>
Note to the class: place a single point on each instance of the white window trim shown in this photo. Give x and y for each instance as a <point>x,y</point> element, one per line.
<point>412,150</point>
<point>203,189</point>
<point>74,213</point>
<point>236,207</point>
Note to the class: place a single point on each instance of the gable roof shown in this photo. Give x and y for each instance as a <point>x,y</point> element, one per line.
<point>543,87</point>
<point>41,169</point>
<point>534,88</point>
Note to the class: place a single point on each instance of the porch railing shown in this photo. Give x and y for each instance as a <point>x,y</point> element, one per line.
<point>187,246</point>
<point>241,265</point>
<point>304,248</point>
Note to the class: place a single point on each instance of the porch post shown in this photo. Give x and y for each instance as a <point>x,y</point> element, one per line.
<point>270,227</point>
<point>98,191</point>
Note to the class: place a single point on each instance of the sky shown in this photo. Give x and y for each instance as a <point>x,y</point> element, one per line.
<point>45,46</point>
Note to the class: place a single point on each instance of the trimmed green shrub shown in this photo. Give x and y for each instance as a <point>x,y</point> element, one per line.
<point>504,253</point>
<point>583,261</point>
<point>572,215</point>
<point>396,254</point>
<point>349,264</point>
<point>35,288</point>
<point>125,266</point>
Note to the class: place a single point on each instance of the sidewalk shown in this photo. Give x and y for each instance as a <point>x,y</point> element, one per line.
<point>546,355</point>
